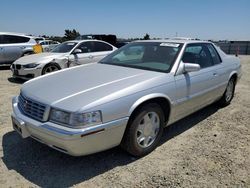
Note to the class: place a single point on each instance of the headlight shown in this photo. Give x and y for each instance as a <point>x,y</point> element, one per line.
<point>59,116</point>
<point>84,119</point>
<point>31,65</point>
<point>75,119</point>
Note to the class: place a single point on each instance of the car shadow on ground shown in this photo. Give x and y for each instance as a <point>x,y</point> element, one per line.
<point>11,79</point>
<point>46,167</point>
<point>4,67</point>
<point>181,126</point>
<point>16,80</point>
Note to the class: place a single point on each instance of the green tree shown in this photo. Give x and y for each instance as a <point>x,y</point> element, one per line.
<point>71,34</point>
<point>146,37</point>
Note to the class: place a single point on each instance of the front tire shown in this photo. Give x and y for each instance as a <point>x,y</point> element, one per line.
<point>144,130</point>
<point>52,67</point>
<point>229,93</point>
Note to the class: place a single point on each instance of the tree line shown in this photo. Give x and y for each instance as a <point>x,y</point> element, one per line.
<point>73,34</point>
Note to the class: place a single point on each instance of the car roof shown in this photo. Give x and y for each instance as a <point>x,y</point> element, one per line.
<point>87,40</point>
<point>45,40</point>
<point>183,41</point>
<point>81,40</point>
<point>18,34</point>
<point>12,33</point>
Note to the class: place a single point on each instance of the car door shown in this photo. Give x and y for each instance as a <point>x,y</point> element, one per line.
<point>195,90</point>
<point>84,56</point>
<point>219,70</point>
<point>100,50</point>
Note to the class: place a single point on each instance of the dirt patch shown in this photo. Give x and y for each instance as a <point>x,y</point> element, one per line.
<point>210,148</point>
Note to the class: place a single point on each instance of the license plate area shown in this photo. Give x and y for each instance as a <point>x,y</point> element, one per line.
<point>15,72</point>
<point>19,127</point>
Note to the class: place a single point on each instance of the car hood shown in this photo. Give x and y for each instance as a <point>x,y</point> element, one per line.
<point>89,85</point>
<point>41,57</point>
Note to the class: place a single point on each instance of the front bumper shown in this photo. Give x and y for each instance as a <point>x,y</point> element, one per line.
<point>74,142</point>
<point>26,73</point>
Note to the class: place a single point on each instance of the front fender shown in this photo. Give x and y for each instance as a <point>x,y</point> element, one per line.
<point>62,62</point>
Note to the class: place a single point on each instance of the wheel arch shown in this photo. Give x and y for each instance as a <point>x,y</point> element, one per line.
<point>234,75</point>
<point>162,100</point>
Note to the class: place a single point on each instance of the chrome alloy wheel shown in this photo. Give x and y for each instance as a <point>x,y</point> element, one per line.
<point>229,90</point>
<point>50,69</point>
<point>148,129</point>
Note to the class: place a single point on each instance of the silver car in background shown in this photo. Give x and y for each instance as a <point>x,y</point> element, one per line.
<point>127,98</point>
<point>69,53</point>
<point>14,46</point>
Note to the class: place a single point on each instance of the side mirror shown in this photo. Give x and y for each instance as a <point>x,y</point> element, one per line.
<point>191,67</point>
<point>77,51</point>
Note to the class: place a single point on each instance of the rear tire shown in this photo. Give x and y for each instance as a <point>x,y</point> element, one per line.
<point>229,93</point>
<point>52,67</point>
<point>144,130</point>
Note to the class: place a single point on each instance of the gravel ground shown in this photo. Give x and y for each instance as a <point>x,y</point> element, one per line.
<point>210,148</point>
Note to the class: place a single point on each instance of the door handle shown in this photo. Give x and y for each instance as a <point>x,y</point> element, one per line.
<point>91,57</point>
<point>215,74</point>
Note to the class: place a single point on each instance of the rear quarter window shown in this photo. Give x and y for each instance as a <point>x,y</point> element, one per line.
<point>11,39</point>
<point>100,46</point>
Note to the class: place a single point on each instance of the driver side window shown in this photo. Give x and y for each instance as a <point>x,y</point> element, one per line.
<point>198,54</point>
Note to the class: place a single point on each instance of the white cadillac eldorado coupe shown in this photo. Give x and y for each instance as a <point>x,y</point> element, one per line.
<point>125,99</point>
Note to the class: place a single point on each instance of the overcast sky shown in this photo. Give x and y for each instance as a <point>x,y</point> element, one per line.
<point>204,19</point>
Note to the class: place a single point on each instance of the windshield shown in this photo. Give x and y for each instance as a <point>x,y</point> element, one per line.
<point>155,56</point>
<point>64,47</point>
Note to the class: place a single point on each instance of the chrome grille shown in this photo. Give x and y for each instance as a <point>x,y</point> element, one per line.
<point>31,108</point>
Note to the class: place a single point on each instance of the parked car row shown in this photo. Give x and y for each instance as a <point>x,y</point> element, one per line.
<point>126,99</point>
<point>70,53</point>
<point>16,45</point>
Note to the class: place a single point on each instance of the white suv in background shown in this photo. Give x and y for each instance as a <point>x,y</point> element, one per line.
<point>14,46</point>
<point>67,54</point>
<point>48,45</point>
